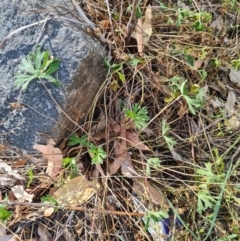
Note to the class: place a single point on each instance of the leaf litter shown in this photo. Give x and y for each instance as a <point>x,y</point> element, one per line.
<point>53,155</point>
<point>169,42</point>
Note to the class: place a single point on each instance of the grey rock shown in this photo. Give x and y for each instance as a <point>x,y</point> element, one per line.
<point>81,73</point>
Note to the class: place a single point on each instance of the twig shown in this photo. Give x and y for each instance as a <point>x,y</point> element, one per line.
<point>22,28</point>
<point>82,14</point>
<point>42,30</point>
<point>131,22</point>
<point>110,17</point>
<point>84,209</point>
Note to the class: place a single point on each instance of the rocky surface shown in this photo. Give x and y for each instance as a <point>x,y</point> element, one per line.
<point>32,116</point>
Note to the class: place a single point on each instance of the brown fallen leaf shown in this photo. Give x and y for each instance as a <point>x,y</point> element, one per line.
<point>21,194</point>
<point>134,140</point>
<point>8,237</point>
<point>54,157</point>
<point>44,233</point>
<point>198,63</point>
<point>8,176</point>
<point>123,158</point>
<point>120,157</point>
<point>20,163</point>
<point>235,76</point>
<point>143,187</point>
<point>116,128</point>
<point>143,30</point>
<point>100,126</point>
<point>230,104</point>
<point>48,212</point>
<point>76,191</point>
<point>2,230</point>
<point>147,24</point>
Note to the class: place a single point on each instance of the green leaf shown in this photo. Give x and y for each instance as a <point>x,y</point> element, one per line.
<point>203,74</point>
<point>37,65</point>
<point>53,67</point>
<point>138,12</point>
<point>97,154</point>
<point>51,79</point>
<point>23,80</point>
<point>208,175</point>
<point>49,199</point>
<point>152,162</point>
<point>4,213</point>
<point>165,127</point>
<point>45,60</point>
<point>198,26</point>
<point>205,201</point>
<point>189,59</point>
<point>30,176</point>
<point>70,163</point>
<point>26,65</point>
<point>138,114</point>
<point>170,141</point>
<point>76,140</point>
<point>121,76</point>
<point>67,161</point>
<point>37,57</point>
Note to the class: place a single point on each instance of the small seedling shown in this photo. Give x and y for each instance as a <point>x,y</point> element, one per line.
<point>236,64</point>
<point>49,199</point>
<point>152,162</point>
<point>76,140</point>
<point>179,88</point>
<point>4,213</point>
<point>138,115</point>
<point>38,65</point>
<point>205,199</point>
<point>97,154</point>
<point>208,176</point>
<point>70,163</point>
<point>30,176</point>
<point>169,140</point>
<point>115,69</point>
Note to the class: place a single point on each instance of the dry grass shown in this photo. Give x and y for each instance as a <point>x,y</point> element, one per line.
<point>175,49</point>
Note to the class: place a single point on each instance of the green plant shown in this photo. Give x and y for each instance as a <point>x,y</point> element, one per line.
<point>194,100</point>
<point>49,199</point>
<point>138,115</point>
<point>203,74</point>
<point>230,4</point>
<point>30,176</point>
<point>215,62</point>
<point>97,154</point>
<point>134,61</point>
<point>70,163</point>
<point>76,140</point>
<point>205,199</point>
<point>236,64</point>
<point>138,11</point>
<point>196,18</point>
<point>115,69</point>
<point>4,213</point>
<point>169,140</point>
<point>208,176</point>
<point>152,162</point>
<point>38,65</point>
<point>228,237</point>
